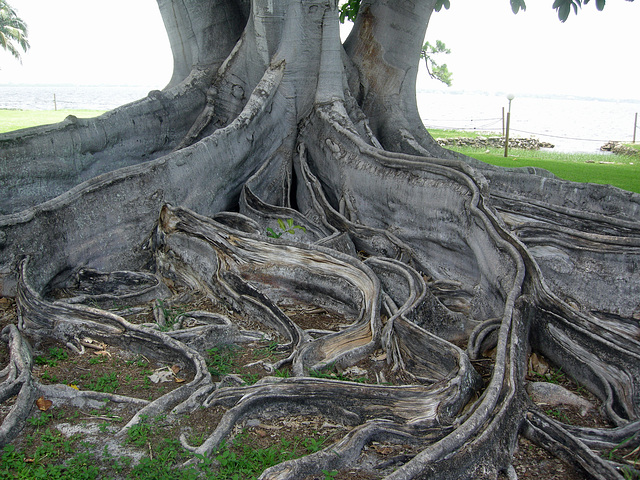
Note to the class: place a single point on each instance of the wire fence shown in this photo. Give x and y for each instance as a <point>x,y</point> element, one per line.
<point>490,126</point>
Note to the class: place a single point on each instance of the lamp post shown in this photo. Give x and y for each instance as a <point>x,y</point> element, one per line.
<point>510,97</point>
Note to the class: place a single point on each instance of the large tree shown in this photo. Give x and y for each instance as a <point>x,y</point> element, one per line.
<point>431,257</point>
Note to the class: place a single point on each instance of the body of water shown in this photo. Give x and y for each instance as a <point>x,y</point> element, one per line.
<point>571,124</point>
<point>69,97</point>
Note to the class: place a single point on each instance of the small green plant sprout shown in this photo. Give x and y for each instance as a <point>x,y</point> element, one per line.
<point>330,475</point>
<point>288,227</point>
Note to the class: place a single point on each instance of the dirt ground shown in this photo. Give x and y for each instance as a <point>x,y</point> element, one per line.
<point>105,368</point>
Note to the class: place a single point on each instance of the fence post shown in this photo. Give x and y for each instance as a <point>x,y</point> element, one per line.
<point>55,105</point>
<point>635,128</point>
<point>506,136</point>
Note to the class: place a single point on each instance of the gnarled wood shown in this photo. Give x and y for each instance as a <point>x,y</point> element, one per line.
<point>434,261</point>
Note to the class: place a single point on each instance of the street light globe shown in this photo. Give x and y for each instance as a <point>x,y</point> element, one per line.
<point>510,96</point>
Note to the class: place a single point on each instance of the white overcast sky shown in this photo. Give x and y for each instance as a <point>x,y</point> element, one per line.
<point>123,42</point>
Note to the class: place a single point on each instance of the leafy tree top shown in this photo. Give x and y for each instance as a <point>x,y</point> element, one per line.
<point>349,9</point>
<point>13,30</point>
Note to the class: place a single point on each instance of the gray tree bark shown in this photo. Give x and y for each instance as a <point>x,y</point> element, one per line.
<point>268,116</point>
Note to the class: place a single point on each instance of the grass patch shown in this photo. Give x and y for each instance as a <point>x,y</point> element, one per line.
<point>439,133</point>
<point>617,170</point>
<point>11,120</point>
<point>608,169</point>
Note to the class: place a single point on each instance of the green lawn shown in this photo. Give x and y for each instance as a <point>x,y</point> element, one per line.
<point>16,119</point>
<point>618,170</point>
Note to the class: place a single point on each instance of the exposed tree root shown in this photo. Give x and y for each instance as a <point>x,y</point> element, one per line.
<point>431,261</point>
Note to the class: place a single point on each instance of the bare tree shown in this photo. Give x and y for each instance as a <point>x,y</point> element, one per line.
<point>433,257</point>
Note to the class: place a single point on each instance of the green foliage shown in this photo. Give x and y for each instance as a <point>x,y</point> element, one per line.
<point>244,461</point>
<point>349,10</point>
<point>41,420</point>
<point>140,433</point>
<point>49,378</point>
<point>618,454</point>
<point>163,464</point>
<point>554,376</point>
<point>11,120</point>
<point>288,227</point>
<point>619,171</point>
<point>435,70</point>
<point>314,445</point>
<point>221,360</point>
<point>442,3</point>
<point>13,31</point>
<point>517,5</point>
<point>51,455</point>
<point>564,7</point>
<point>559,415</point>
<point>55,355</point>
<point>171,314</point>
<point>330,474</point>
<point>107,383</point>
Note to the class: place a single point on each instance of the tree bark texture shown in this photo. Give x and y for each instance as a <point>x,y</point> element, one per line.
<point>433,257</point>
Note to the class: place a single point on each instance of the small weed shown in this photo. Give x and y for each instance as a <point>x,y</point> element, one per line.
<point>283,373</point>
<point>140,362</point>
<point>170,314</point>
<point>314,445</point>
<point>250,378</point>
<point>552,376</point>
<point>559,415</point>
<point>268,351</point>
<point>56,355</point>
<point>580,390</point>
<point>97,360</point>
<point>41,420</point>
<point>329,474</point>
<point>49,378</point>
<point>288,227</point>
<point>108,383</point>
<point>196,440</point>
<point>220,361</point>
<point>139,433</point>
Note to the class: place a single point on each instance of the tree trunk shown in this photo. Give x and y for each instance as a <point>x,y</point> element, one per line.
<point>433,258</point>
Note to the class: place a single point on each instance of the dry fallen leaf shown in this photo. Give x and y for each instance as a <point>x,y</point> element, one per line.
<point>383,450</point>
<point>179,380</point>
<point>175,369</point>
<point>538,364</point>
<point>43,404</point>
<point>101,352</point>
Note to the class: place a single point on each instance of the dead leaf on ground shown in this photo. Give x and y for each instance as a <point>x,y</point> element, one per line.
<point>43,404</point>
<point>175,369</point>
<point>538,364</point>
<point>383,450</point>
